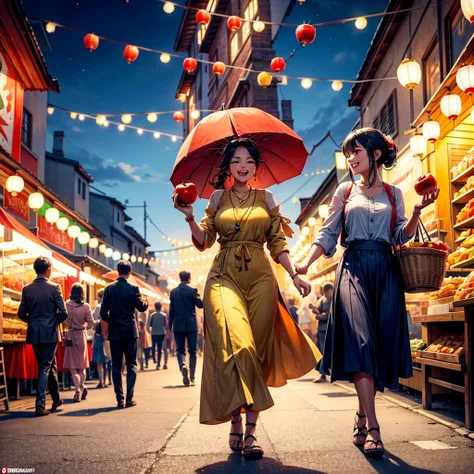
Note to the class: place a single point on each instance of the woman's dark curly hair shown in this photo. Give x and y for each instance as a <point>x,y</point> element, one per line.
<point>77,293</point>
<point>229,151</point>
<point>372,139</point>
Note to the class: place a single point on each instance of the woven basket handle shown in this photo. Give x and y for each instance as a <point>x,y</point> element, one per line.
<point>422,234</point>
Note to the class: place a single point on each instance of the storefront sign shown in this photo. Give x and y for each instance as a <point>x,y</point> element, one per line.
<point>17,205</point>
<point>51,234</point>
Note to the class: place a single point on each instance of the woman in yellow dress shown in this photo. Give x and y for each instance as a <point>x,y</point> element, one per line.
<point>252,342</point>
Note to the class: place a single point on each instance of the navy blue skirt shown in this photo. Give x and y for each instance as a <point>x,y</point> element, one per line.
<point>368,329</point>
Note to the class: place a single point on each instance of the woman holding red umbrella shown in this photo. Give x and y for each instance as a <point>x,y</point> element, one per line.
<point>252,341</point>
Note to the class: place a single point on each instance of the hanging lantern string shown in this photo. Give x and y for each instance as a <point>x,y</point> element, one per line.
<point>324,23</point>
<point>230,66</point>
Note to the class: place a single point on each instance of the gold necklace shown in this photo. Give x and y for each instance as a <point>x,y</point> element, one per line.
<point>247,195</point>
<point>238,224</point>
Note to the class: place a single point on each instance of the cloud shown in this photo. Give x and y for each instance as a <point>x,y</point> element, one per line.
<point>340,57</point>
<point>129,169</point>
<point>76,129</point>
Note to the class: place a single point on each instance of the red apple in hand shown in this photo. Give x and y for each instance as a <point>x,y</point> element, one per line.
<point>187,193</point>
<point>425,184</point>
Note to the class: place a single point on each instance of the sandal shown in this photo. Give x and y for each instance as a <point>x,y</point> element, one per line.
<point>236,445</point>
<point>359,432</point>
<point>252,451</point>
<point>379,449</point>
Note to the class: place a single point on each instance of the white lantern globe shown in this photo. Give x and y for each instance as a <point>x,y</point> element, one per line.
<point>451,106</point>
<point>102,248</point>
<point>312,221</point>
<point>165,58</point>
<point>259,26</point>
<point>305,230</point>
<point>15,184</point>
<point>62,224</point>
<point>337,86</point>
<point>361,23</point>
<point>126,256</point>
<point>93,243</point>
<point>140,259</point>
<point>127,119</point>
<point>145,261</point>
<point>465,79</point>
<point>50,27</point>
<point>116,255</point>
<point>467,7</point>
<point>133,259</point>
<point>108,252</point>
<point>323,210</point>
<point>35,201</point>
<point>195,114</point>
<point>84,238</point>
<point>306,83</point>
<point>152,117</point>
<point>51,215</point>
<point>168,7</point>
<point>74,231</point>
<point>418,145</point>
<point>409,73</point>
<point>100,120</point>
<point>431,130</point>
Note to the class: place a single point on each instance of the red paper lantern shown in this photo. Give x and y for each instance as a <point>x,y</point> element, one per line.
<point>190,64</point>
<point>203,17</point>
<point>278,64</point>
<point>130,53</point>
<point>305,34</point>
<point>234,23</point>
<point>218,68</point>
<point>178,117</point>
<point>91,42</point>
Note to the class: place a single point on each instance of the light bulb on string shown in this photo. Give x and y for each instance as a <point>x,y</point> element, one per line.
<point>127,119</point>
<point>156,135</point>
<point>82,117</point>
<point>168,7</point>
<point>140,131</point>
<point>165,58</point>
<point>121,127</point>
<point>259,26</point>
<point>306,83</point>
<point>361,23</point>
<point>152,117</point>
<point>73,115</point>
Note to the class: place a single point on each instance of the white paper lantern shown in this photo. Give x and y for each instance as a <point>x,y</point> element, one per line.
<point>116,255</point>
<point>165,58</point>
<point>145,261</point>
<point>361,23</point>
<point>15,184</point>
<point>50,110</point>
<point>337,86</point>
<point>152,117</point>
<point>306,83</point>
<point>62,224</point>
<point>73,115</point>
<point>312,221</point>
<point>451,106</point>
<point>195,114</point>
<point>468,9</point>
<point>121,128</point>
<point>409,73</point>
<point>323,210</point>
<point>35,201</point>
<point>126,256</point>
<point>431,130</point>
<point>73,231</point>
<point>418,145</point>
<point>168,7</point>
<point>156,135</point>
<point>102,248</point>
<point>84,238</point>
<point>140,259</point>
<point>305,230</point>
<point>173,139</point>
<point>465,79</point>
<point>82,117</point>
<point>140,131</point>
<point>100,119</point>
<point>50,27</point>
<point>108,252</point>
<point>127,118</point>
<point>259,26</point>
<point>93,243</point>
<point>51,215</point>
<point>106,124</point>
<point>133,259</point>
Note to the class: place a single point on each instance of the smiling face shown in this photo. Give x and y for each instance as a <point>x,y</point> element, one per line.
<point>242,166</point>
<point>359,161</point>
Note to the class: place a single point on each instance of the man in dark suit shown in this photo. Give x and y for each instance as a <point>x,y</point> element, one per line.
<point>42,308</point>
<point>119,303</point>
<point>182,321</point>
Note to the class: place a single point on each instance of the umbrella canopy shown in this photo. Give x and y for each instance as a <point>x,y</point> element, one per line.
<point>282,150</point>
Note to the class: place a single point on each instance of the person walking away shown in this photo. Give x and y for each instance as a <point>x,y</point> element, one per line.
<point>184,299</point>
<point>142,344</point>
<point>76,356</point>
<point>157,327</point>
<point>147,346</point>
<point>120,301</point>
<point>322,309</point>
<point>98,353</point>
<point>293,310</point>
<point>42,308</point>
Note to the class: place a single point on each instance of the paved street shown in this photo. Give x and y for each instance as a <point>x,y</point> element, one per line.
<point>308,431</point>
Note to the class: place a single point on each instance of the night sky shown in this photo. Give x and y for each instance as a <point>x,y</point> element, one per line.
<point>128,166</point>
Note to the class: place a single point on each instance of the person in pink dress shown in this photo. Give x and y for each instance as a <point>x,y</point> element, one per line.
<point>76,357</point>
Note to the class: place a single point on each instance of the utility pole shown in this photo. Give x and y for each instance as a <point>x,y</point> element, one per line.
<point>145,217</point>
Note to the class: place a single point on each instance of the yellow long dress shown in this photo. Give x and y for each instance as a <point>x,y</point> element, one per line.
<point>251,340</point>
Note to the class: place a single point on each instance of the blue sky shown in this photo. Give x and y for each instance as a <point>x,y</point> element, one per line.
<point>128,166</point>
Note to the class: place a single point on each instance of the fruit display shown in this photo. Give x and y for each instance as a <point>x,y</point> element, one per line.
<point>9,305</point>
<point>460,255</point>
<point>466,212</point>
<point>14,329</point>
<point>465,234</point>
<point>417,345</point>
<point>11,282</point>
<point>449,344</point>
<point>464,164</point>
<point>467,187</point>
<point>425,184</point>
<point>448,289</point>
<point>466,289</point>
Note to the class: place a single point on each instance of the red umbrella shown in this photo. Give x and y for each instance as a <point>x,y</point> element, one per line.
<point>282,150</point>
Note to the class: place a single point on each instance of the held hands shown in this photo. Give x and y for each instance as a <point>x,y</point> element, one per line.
<point>186,209</point>
<point>427,200</point>
<point>302,268</point>
<point>303,287</point>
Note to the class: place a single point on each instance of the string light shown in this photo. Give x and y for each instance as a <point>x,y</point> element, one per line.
<point>127,119</point>
<point>73,115</point>
<point>168,7</point>
<point>361,23</point>
<point>165,58</point>
<point>82,117</point>
<point>121,127</point>
<point>152,117</point>
<point>306,83</point>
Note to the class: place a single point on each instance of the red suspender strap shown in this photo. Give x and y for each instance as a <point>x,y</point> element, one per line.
<point>343,230</point>
<point>388,190</point>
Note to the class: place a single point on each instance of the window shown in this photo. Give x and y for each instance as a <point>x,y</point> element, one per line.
<point>118,217</point>
<point>459,33</point>
<point>79,185</point>
<point>249,14</point>
<point>234,46</point>
<point>83,190</point>
<point>26,128</point>
<point>386,120</point>
<point>431,71</point>
<point>211,7</point>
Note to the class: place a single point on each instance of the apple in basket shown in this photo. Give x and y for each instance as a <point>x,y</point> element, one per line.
<point>187,193</point>
<point>425,184</point>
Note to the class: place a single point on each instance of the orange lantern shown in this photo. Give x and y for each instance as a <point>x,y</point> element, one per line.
<point>130,53</point>
<point>305,34</point>
<point>190,64</point>
<point>218,68</point>
<point>203,17</point>
<point>234,23</point>
<point>278,64</point>
<point>178,117</point>
<point>91,42</point>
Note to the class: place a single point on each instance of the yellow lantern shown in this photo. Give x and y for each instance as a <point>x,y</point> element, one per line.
<point>127,118</point>
<point>50,110</point>
<point>15,184</point>
<point>83,238</point>
<point>108,252</point>
<point>165,58</point>
<point>35,201</point>
<point>51,215</point>
<point>323,210</point>
<point>140,259</point>
<point>168,7</point>
<point>472,115</point>
<point>465,79</point>
<point>431,130</point>
<point>312,221</point>
<point>337,86</point>
<point>121,127</point>
<point>93,243</point>
<point>73,115</point>
<point>305,230</point>
<point>418,145</point>
<point>126,256</point>
<point>361,23</point>
<point>195,114</point>
<point>451,106</point>
<point>106,124</point>
<point>259,26</point>
<point>62,224</point>
<point>74,231</point>
<point>468,9</point>
<point>133,259</point>
<point>50,27</point>
<point>409,73</point>
<point>140,131</point>
<point>100,120</point>
<point>116,255</point>
<point>152,117</point>
<point>182,98</point>
<point>306,83</point>
<point>264,79</point>
<point>145,261</point>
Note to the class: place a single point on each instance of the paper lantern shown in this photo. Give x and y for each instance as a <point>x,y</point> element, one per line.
<point>306,83</point>
<point>258,26</point>
<point>218,68</point>
<point>93,243</point>
<point>305,34</point>
<point>74,231</point>
<point>50,27</point>
<point>130,53</point>
<point>312,221</point>
<point>418,145</point>
<point>51,215</point>
<point>106,124</point>
<point>190,65</point>
<point>465,79</point>
<point>73,115</point>
<point>203,17</point>
<point>234,23</point>
<point>361,23</point>
<point>50,110</point>
<point>35,201</point>
<point>336,86</point>
<point>91,42</point>
<point>173,138</point>
<point>116,255</point>
<point>278,64</point>
<point>108,252</point>
<point>152,117</point>
<point>156,135</point>
<point>82,117</point>
<point>83,238</point>
<point>102,248</point>
<point>451,106</point>
<point>121,127</point>
<point>165,58</point>
<point>182,98</point>
<point>133,259</point>
<point>472,115</point>
<point>127,118</point>
<point>15,184</point>
<point>168,7</point>
<point>195,114</point>
<point>125,256</point>
<point>140,131</point>
<point>264,79</point>
<point>467,7</point>
<point>305,230</point>
<point>431,130</point>
<point>178,117</point>
<point>145,261</point>
<point>323,210</point>
<point>62,224</point>
<point>140,259</point>
<point>100,119</point>
<point>409,73</point>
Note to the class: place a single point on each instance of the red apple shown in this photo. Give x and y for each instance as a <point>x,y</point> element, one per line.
<point>425,184</point>
<point>187,193</point>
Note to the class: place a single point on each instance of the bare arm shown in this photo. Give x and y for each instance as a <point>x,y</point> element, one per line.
<point>303,287</point>
<point>198,232</point>
<point>412,224</point>
<point>315,252</point>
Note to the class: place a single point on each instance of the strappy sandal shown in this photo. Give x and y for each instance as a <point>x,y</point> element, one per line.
<point>379,449</point>
<point>359,432</point>
<point>252,451</point>
<point>236,445</point>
